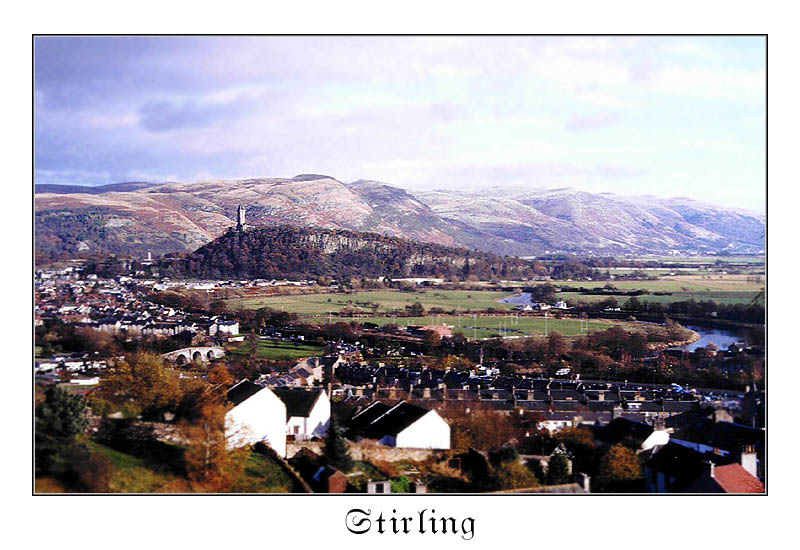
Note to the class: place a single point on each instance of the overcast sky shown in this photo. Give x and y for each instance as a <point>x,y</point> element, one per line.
<point>650,115</point>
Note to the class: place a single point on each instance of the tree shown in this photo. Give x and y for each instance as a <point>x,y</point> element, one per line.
<point>144,381</point>
<point>219,375</point>
<point>556,345</point>
<point>515,475</point>
<point>485,430</point>
<point>62,414</point>
<point>252,344</point>
<point>336,453</point>
<point>211,464</point>
<point>557,469</point>
<point>619,470</point>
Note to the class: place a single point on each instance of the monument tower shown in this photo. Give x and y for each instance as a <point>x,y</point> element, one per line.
<point>240,221</point>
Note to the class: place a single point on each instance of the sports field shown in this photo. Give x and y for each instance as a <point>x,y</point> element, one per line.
<point>484,327</point>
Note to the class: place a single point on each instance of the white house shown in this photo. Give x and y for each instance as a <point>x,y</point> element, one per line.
<point>308,412</point>
<point>257,415</point>
<point>403,425</point>
<point>219,327</point>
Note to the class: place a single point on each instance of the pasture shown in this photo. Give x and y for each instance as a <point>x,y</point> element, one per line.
<point>375,301</point>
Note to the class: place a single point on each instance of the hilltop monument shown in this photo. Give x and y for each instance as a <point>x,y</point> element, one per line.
<point>240,220</point>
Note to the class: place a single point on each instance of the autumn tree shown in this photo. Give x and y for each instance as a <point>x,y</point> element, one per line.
<point>219,375</point>
<point>484,430</point>
<point>619,470</point>
<point>515,475</point>
<point>144,381</point>
<point>212,463</point>
<point>556,345</point>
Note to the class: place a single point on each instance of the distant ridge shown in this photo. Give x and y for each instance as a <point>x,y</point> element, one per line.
<point>93,189</point>
<point>140,217</point>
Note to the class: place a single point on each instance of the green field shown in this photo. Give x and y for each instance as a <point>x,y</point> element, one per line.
<point>277,350</point>
<point>726,289</point>
<point>484,327</point>
<point>707,260</point>
<point>387,301</point>
<point>721,297</point>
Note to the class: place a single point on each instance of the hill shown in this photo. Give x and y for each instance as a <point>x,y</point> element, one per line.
<point>298,252</point>
<point>136,218</point>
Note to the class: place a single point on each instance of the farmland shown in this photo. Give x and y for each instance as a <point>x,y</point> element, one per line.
<point>724,289</point>
<point>375,301</point>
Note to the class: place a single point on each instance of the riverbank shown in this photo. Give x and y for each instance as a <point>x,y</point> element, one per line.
<point>661,346</point>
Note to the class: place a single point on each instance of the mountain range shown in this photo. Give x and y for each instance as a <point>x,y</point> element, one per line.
<point>140,217</point>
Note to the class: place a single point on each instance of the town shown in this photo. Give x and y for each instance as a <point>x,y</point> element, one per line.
<point>359,399</point>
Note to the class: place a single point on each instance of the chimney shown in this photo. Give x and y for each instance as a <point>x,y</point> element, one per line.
<point>749,461</point>
<point>708,469</point>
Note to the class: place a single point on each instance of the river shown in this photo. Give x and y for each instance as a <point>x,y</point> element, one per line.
<point>719,337</point>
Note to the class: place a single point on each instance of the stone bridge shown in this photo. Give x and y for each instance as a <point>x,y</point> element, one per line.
<point>197,354</point>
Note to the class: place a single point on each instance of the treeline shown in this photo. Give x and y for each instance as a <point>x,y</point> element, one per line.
<point>297,252</point>
<point>753,312</point>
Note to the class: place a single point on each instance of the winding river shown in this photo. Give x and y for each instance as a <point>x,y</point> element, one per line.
<point>719,337</point>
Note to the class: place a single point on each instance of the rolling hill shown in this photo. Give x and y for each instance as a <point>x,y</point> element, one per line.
<point>137,217</point>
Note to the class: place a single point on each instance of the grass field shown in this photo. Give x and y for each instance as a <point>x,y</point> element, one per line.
<point>133,474</point>
<point>277,350</point>
<point>725,289</point>
<point>485,327</point>
<point>387,301</point>
<point>707,260</point>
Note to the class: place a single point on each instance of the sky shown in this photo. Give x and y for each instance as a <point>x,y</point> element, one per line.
<point>666,116</point>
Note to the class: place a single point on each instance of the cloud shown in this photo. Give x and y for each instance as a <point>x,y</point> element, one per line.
<point>447,110</point>
<point>592,121</point>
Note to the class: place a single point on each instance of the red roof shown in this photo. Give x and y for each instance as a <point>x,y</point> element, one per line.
<point>735,479</point>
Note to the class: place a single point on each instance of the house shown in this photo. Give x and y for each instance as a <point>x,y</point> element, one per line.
<point>674,468</point>
<point>222,327</point>
<point>403,425</point>
<point>308,412</point>
<point>730,478</point>
<point>257,415</point>
<point>313,369</point>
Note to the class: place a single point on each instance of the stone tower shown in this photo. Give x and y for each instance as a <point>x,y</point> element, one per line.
<point>240,220</point>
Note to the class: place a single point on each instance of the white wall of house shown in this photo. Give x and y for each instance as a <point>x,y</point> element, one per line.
<point>316,424</point>
<point>429,432</point>
<point>554,425</point>
<point>261,417</point>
